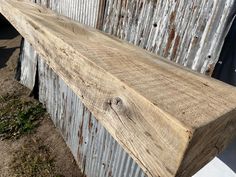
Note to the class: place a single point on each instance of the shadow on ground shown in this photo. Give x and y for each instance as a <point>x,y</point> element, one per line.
<point>5,54</point>
<point>6,33</point>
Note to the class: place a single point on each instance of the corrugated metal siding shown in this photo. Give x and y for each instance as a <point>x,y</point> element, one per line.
<point>28,65</point>
<point>84,11</point>
<point>190,32</point>
<point>97,153</point>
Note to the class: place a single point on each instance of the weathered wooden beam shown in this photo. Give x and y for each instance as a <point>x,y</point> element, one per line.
<point>170,120</point>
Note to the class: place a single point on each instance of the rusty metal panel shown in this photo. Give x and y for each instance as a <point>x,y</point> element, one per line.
<point>95,150</point>
<point>189,32</point>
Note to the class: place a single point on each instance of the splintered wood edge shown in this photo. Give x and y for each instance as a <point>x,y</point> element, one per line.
<point>170,149</point>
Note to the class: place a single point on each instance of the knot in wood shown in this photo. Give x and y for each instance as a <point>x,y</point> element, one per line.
<point>117,102</point>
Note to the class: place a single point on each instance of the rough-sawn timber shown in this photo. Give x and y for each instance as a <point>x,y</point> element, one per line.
<point>170,120</point>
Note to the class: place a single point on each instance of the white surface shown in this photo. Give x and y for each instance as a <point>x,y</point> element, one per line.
<point>215,168</point>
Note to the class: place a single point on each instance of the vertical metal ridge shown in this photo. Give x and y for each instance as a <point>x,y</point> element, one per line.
<point>28,59</point>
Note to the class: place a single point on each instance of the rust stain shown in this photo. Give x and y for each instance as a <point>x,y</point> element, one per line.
<point>172,17</point>
<point>176,45</point>
<point>110,174</point>
<point>81,136</point>
<point>80,133</point>
<point>170,40</point>
<point>90,124</point>
<point>210,69</point>
<point>78,155</point>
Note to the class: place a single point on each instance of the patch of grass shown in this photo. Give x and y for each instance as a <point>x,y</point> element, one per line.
<point>34,160</point>
<point>18,117</point>
<point>8,97</point>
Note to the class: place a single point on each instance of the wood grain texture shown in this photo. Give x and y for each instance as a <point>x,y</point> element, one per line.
<point>170,120</point>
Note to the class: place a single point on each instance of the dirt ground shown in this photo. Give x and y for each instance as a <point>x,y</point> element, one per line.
<point>45,143</point>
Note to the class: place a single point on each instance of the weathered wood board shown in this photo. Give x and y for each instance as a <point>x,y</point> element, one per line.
<point>170,120</point>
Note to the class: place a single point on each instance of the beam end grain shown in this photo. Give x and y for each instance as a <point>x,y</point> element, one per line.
<point>170,120</point>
